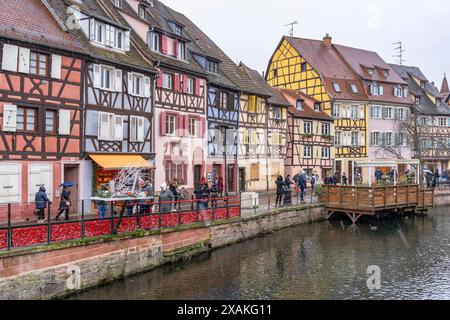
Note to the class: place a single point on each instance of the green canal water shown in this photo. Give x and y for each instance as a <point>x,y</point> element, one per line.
<point>326,260</point>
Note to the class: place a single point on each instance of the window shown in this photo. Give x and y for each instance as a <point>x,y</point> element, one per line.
<point>336,87</point>
<point>418,100</point>
<point>277,112</point>
<point>304,67</point>
<point>375,138</point>
<point>355,138</point>
<point>224,100</point>
<point>177,29</point>
<point>299,104</point>
<point>170,124</point>
<point>337,111</point>
<point>50,121</point>
<point>375,112</point>
<point>193,127</point>
<point>389,139</point>
<point>376,90</point>
<point>307,127</point>
<point>325,129</point>
<point>443,122</point>
<point>167,81</point>
<point>142,12</point>
<point>400,92</point>
<point>176,171</point>
<point>275,72</point>
<point>338,138</point>
<point>422,84</point>
<point>181,51</point>
<point>137,84</point>
<point>107,78</point>
<point>117,3</point>
<point>26,119</point>
<point>401,139</point>
<point>325,153</point>
<point>39,64</point>
<point>354,88</point>
<point>354,110</point>
<point>307,152</point>
<point>254,172</point>
<point>423,121</point>
<point>137,129</point>
<point>371,71</point>
<point>317,106</point>
<point>212,66</point>
<point>154,41</point>
<point>100,32</point>
<point>118,40</point>
<point>402,114</point>
<point>190,86</point>
<point>388,113</point>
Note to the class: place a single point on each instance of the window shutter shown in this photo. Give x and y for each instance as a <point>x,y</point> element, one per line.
<point>9,118</point>
<point>24,60</point>
<point>159,81</point>
<point>140,129</point>
<point>133,129</point>
<point>163,43</point>
<point>197,87</point>
<point>10,56</point>
<point>40,176</point>
<point>108,35</point>
<point>185,119</point>
<point>118,128</point>
<point>9,183</point>
<point>362,113</point>
<point>97,76</point>
<point>130,83</point>
<point>246,136</point>
<point>118,80</point>
<point>202,127</point>
<point>362,139</point>
<point>147,87</point>
<point>175,48</point>
<point>92,29</point>
<point>162,123</point>
<point>405,93</point>
<point>56,66</point>
<point>177,82</point>
<point>185,83</point>
<point>126,45</point>
<point>104,126</point>
<point>64,122</point>
<point>381,90</point>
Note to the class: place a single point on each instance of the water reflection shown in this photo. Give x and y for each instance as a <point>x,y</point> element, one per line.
<point>325,260</point>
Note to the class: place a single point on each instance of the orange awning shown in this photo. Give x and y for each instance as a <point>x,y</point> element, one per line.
<point>117,162</point>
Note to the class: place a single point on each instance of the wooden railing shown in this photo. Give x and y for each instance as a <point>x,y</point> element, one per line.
<point>377,198</point>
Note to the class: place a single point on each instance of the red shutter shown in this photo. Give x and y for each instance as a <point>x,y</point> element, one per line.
<point>162,124</point>
<point>202,127</point>
<point>186,125</point>
<point>197,86</point>
<point>164,43</point>
<point>177,82</point>
<point>185,83</point>
<point>179,125</point>
<point>175,48</point>
<point>159,81</point>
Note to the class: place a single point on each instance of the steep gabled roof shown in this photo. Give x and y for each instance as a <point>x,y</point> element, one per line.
<point>31,21</point>
<point>444,87</point>
<point>95,8</point>
<point>277,97</point>
<point>331,67</point>
<point>308,105</point>
<point>406,71</point>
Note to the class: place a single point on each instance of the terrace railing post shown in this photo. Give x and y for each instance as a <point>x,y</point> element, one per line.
<point>49,226</point>
<point>268,199</point>
<point>9,235</point>
<point>82,220</point>
<point>192,202</point>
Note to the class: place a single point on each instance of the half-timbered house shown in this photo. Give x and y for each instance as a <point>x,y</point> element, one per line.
<point>429,127</point>
<point>41,89</point>
<point>316,68</point>
<point>310,136</point>
<point>180,92</point>
<point>118,91</point>
<point>263,129</point>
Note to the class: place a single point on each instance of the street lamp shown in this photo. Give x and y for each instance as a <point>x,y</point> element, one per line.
<point>223,130</point>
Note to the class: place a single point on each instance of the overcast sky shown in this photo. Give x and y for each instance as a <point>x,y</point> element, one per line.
<point>249,30</point>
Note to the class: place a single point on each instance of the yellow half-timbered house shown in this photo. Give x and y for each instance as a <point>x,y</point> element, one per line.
<point>316,68</point>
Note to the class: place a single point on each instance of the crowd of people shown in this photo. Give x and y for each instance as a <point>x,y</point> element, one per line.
<point>300,181</point>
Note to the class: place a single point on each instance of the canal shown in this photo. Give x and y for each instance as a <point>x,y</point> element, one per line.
<point>326,260</point>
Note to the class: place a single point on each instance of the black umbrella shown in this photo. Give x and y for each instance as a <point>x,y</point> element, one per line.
<point>68,184</point>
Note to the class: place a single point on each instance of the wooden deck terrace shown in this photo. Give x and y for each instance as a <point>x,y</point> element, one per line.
<point>356,202</point>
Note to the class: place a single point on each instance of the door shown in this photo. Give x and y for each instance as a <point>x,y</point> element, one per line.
<point>197,173</point>
<point>9,183</point>
<point>40,175</point>
<point>217,171</point>
<point>71,175</point>
<point>242,180</point>
<point>230,178</point>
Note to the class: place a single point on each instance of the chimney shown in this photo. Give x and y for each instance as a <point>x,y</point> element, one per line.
<point>327,40</point>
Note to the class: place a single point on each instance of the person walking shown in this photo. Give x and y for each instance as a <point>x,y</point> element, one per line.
<point>173,187</point>
<point>436,178</point>
<point>102,206</point>
<point>220,185</point>
<point>280,191</point>
<point>313,184</point>
<point>214,193</point>
<point>41,200</point>
<point>302,185</point>
<point>202,193</point>
<point>64,204</point>
<point>344,179</point>
<point>166,199</point>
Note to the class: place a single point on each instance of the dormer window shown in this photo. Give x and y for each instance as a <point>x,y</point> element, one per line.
<point>317,106</point>
<point>181,51</point>
<point>354,88</point>
<point>212,66</point>
<point>117,3</point>
<point>422,84</point>
<point>386,73</point>
<point>336,87</point>
<point>299,105</point>
<point>418,100</point>
<point>141,12</point>
<point>371,71</point>
<point>109,36</point>
<point>376,90</point>
<point>400,92</point>
<point>177,29</point>
<point>154,41</point>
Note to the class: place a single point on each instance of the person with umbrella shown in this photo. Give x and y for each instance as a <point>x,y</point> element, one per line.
<point>65,203</point>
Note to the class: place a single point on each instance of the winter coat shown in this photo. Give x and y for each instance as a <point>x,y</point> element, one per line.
<point>41,199</point>
<point>65,197</point>
<point>313,181</point>
<point>220,185</point>
<point>280,185</point>
<point>166,198</point>
<point>301,182</point>
<point>288,183</point>
<point>202,192</point>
